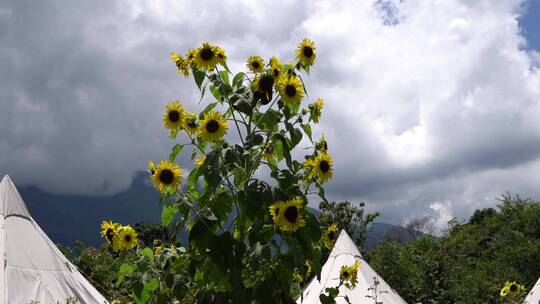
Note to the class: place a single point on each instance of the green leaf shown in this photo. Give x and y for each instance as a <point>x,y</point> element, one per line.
<point>224,76</point>
<point>307,130</point>
<point>176,149</point>
<point>147,253</point>
<point>208,108</point>
<point>317,254</point>
<point>173,134</point>
<point>224,65</point>
<point>125,269</point>
<point>268,120</point>
<point>167,214</point>
<point>198,75</point>
<point>215,92</point>
<point>238,79</point>
<point>203,91</point>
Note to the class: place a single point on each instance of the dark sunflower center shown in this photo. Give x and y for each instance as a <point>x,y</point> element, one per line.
<point>207,54</point>
<point>324,166</point>
<point>291,214</point>
<point>346,274</point>
<point>174,116</point>
<point>109,234</point>
<point>166,176</point>
<point>212,126</point>
<point>127,238</point>
<point>290,90</point>
<point>255,64</point>
<point>331,235</point>
<point>266,83</point>
<point>275,72</point>
<point>308,51</point>
<point>513,287</point>
<point>192,124</point>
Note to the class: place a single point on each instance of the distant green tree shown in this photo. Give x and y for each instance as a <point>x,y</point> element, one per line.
<point>472,261</point>
<point>148,234</point>
<point>100,266</point>
<point>349,217</point>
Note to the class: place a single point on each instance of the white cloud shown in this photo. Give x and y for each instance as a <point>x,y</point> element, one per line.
<point>426,101</point>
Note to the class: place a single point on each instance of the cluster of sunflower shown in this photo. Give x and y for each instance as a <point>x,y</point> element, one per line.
<point>119,237</point>
<point>348,274</point>
<point>264,106</point>
<point>513,290</point>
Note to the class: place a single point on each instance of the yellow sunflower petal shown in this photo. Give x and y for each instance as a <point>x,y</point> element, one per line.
<point>255,64</point>
<point>291,90</point>
<point>190,123</point>
<point>305,53</point>
<point>205,57</point>
<point>173,117</point>
<point>167,176</point>
<point>290,216</point>
<point>323,166</point>
<point>213,127</point>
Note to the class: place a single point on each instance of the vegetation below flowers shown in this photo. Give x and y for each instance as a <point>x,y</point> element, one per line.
<point>472,261</point>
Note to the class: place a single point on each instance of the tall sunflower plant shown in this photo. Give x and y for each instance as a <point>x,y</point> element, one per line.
<point>242,205</point>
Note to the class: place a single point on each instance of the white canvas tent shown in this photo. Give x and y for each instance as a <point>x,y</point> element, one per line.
<point>534,295</point>
<point>346,253</point>
<point>32,269</point>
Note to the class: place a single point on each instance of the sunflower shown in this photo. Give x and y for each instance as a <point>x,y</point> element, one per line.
<point>255,64</point>
<point>190,123</point>
<point>305,53</point>
<point>221,56</point>
<point>309,270</point>
<point>108,230</point>
<point>200,160</point>
<point>330,235</point>
<point>291,90</point>
<point>174,114</point>
<point>190,57</point>
<point>349,274</point>
<point>323,166</point>
<point>322,145</point>
<point>315,110</point>
<point>213,126</point>
<point>126,238</point>
<point>275,68</point>
<point>512,289</point>
<point>205,57</point>
<point>151,167</point>
<point>290,217</point>
<point>265,85</point>
<point>167,176</point>
<point>269,152</point>
<point>274,209</point>
<point>181,63</point>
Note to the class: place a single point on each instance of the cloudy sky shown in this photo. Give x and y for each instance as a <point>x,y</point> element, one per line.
<point>432,107</point>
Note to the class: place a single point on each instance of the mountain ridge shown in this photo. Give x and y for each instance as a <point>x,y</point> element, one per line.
<point>69,218</point>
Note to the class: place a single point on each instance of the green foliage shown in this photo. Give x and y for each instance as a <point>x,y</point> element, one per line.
<point>349,217</point>
<point>237,252</point>
<point>472,261</point>
<point>100,265</point>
